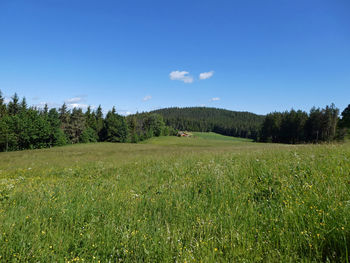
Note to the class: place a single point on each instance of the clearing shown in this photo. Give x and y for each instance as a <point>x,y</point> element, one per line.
<point>207,198</point>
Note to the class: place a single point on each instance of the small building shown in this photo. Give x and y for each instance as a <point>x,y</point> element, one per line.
<point>183,134</point>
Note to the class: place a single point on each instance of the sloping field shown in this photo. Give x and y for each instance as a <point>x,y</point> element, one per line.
<point>206,198</point>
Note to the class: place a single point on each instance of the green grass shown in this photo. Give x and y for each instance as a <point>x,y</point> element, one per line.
<point>218,137</point>
<point>207,198</point>
<point>200,139</point>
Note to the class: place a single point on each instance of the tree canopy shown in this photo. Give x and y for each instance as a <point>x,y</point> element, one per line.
<point>23,127</point>
<point>203,119</point>
<point>320,125</point>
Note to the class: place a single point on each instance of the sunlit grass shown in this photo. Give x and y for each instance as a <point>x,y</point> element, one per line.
<point>215,136</point>
<point>176,199</point>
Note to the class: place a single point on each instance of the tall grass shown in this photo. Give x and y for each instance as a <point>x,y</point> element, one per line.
<point>238,202</point>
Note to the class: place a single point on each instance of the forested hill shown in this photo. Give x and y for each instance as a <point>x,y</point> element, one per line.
<point>226,122</point>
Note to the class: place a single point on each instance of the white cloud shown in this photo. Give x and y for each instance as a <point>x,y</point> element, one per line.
<point>77,105</point>
<point>181,75</point>
<point>206,75</point>
<point>41,104</point>
<point>7,100</point>
<point>50,105</point>
<point>74,100</point>
<point>215,99</point>
<point>77,102</point>
<point>146,98</point>
<point>124,112</point>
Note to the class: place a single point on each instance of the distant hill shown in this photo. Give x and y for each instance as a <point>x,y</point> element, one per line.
<point>203,119</point>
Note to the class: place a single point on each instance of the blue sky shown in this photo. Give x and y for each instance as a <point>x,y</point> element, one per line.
<point>257,56</point>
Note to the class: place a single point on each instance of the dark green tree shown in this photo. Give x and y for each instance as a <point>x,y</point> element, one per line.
<point>2,105</point>
<point>345,118</point>
<point>64,116</point>
<point>45,111</point>
<point>232,123</point>
<point>299,127</point>
<point>99,122</point>
<point>344,124</point>
<point>115,128</point>
<point>271,126</point>
<point>23,105</point>
<point>33,130</point>
<point>88,135</point>
<point>329,122</point>
<point>13,106</point>
<point>132,124</point>
<point>154,125</point>
<point>8,137</point>
<point>314,125</point>
<point>76,125</point>
<point>57,136</point>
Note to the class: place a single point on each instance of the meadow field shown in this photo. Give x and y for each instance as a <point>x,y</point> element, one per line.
<point>208,198</point>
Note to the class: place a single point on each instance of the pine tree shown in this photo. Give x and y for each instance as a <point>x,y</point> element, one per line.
<point>240,124</point>
<point>345,120</point>
<point>23,105</point>
<point>298,126</point>
<point>64,116</point>
<point>76,125</point>
<point>57,136</point>
<point>132,124</point>
<point>2,106</point>
<point>115,128</point>
<point>13,106</point>
<point>343,128</point>
<point>45,110</point>
<point>99,123</point>
<point>89,134</point>
<point>8,135</point>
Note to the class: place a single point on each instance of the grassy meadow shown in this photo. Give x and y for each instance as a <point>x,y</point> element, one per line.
<point>207,198</point>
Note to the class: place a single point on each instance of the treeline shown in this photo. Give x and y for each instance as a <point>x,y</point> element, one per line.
<point>23,127</point>
<point>319,125</point>
<point>203,119</point>
<point>344,123</point>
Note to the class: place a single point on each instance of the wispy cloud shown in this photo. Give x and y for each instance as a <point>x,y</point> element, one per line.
<point>215,99</point>
<point>124,112</point>
<point>77,102</point>
<point>50,105</point>
<point>146,98</point>
<point>74,100</point>
<point>181,75</point>
<point>206,75</point>
<point>78,105</point>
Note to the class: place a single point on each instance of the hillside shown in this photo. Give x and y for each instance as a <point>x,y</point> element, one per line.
<point>203,119</point>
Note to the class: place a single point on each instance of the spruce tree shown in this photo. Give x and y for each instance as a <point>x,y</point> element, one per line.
<point>57,136</point>
<point>76,125</point>
<point>45,111</point>
<point>132,124</point>
<point>2,105</point>
<point>345,120</point>
<point>13,105</point>
<point>64,116</point>
<point>99,123</point>
<point>23,105</point>
<point>115,128</point>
